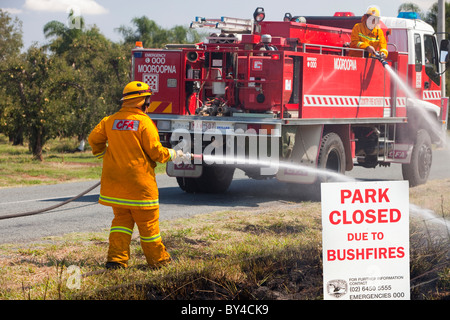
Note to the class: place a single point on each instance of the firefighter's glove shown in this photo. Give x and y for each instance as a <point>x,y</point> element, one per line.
<point>182,157</point>
<point>371,50</point>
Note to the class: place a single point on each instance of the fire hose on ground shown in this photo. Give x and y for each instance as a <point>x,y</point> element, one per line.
<point>24,214</point>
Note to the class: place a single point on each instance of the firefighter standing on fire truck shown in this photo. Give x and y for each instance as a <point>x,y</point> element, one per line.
<point>368,35</point>
<point>128,142</point>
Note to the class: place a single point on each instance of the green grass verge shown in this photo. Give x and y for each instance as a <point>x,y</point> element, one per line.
<point>61,164</point>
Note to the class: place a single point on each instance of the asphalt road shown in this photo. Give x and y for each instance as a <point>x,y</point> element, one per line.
<point>85,214</point>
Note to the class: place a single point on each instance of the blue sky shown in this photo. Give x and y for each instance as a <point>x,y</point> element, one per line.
<point>108,15</point>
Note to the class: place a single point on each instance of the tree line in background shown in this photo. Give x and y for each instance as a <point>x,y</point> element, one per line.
<point>63,88</point>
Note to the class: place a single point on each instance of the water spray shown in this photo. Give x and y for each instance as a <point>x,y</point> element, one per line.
<point>425,109</point>
<point>277,165</point>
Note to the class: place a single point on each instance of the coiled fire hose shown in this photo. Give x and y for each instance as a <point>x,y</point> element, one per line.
<point>49,208</point>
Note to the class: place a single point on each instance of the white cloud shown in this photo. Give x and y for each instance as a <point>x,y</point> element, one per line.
<point>12,10</point>
<point>80,7</point>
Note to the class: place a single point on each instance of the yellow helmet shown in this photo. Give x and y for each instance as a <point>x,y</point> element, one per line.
<point>373,11</point>
<point>136,89</point>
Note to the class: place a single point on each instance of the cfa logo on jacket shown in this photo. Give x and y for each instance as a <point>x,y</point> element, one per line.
<point>131,125</point>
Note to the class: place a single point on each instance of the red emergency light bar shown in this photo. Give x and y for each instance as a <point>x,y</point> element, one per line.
<point>344,14</point>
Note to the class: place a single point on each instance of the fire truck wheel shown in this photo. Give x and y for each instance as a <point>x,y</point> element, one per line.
<point>188,185</point>
<point>215,179</point>
<point>418,170</point>
<point>331,155</point>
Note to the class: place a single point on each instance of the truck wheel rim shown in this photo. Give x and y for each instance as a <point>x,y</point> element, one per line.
<point>333,161</point>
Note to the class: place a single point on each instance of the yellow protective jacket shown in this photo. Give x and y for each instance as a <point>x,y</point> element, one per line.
<point>128,142</point>
<point>362,37</point>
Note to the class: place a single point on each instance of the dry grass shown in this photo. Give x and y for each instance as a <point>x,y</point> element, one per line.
<point>430,240</point>
<point>225,255</point>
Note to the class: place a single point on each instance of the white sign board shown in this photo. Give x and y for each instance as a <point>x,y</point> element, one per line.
<point>365,231</point>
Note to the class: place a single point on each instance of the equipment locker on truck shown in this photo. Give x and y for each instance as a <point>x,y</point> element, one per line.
<point>287,91</point>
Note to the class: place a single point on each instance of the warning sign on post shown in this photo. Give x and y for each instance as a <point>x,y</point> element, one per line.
<point>365,240</point>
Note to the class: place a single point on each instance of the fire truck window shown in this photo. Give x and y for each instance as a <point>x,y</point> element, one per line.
<point>431,59</point>
<point>418,50</point>
<point>398,40</point>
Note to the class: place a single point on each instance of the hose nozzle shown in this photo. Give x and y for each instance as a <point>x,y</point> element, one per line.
<point>380,58</point>
<point>196,158</point>
<point>187,158</point>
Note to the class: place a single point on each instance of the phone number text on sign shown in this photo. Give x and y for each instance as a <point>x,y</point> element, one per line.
<point>367,288</point>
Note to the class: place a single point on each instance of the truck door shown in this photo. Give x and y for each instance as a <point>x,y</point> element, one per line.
<point>431,77</point>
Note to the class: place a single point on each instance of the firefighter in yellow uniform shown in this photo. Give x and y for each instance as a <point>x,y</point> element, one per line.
<point>368,35</point>
<point>129,144</point>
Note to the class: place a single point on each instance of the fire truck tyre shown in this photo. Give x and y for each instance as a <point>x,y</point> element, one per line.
<point>418,170</point>
<point>215,179</point>
<point>331,155</point>
<point>188,185</point>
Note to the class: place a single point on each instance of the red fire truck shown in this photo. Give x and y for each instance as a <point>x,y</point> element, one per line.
<point>291,84</point>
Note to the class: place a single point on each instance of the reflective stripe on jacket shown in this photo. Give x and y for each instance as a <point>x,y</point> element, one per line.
<point>128,142</point>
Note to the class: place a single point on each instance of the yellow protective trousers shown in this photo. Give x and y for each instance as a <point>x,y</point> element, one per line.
<point>122,230</point>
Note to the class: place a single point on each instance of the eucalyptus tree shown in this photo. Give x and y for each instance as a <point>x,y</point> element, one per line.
<point>101,69</point>
<point>37,84</point>
<point>10,45</point>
